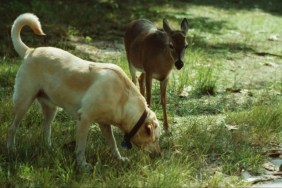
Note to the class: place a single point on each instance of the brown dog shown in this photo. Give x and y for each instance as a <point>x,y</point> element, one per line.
<point>154,52</point>
<point>91,92</point>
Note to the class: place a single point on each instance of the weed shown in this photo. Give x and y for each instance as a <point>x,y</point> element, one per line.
<point>206,81</point>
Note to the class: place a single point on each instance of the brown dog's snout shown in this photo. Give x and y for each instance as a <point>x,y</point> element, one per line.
<point>179,64</point>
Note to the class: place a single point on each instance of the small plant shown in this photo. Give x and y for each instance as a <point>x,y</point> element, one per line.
<point>88,39</point>
<point>72,31</point>
<point>206,81</point>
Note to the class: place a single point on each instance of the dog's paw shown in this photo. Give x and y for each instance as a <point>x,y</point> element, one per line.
<point>85,168</point>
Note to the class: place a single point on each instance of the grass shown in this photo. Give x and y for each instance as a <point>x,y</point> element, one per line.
<point>206,82</point>
<point>232,76</point>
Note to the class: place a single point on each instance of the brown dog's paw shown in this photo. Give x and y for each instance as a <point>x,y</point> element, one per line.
<point>85,168</point>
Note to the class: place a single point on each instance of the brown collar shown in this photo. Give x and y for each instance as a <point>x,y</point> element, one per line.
<point>127,136</point>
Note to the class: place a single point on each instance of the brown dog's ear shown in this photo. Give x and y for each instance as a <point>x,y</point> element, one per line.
<point>148,129</point>
<point>166,27</point>
<point>184,25</point>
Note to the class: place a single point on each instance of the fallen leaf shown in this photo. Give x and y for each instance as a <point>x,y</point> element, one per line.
<point>231,127</point>
<point>269,166</point>
<point>177,152</point>
<point>273,37</point>
<point>274,153</point>
<point>185,92</point>
<point>270,64</point>
<point>233,90</point>
<point>277,173</point>
<point>271,184</point>
<point>244,91</point>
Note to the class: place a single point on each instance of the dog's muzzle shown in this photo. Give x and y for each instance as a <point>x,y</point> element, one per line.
<point>179,64</point>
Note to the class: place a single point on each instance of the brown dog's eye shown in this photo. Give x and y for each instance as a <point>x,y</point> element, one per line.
<point>171,45</point>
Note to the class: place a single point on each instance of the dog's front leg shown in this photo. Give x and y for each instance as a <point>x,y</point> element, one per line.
<point>142,83</point>
<point>163,85</point>
<point>81,139</point>
<point>110,139</point>
<point>148,78</point>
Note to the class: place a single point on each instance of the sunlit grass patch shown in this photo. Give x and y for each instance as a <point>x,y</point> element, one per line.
<point>210,143</point>
<point>260,126</point>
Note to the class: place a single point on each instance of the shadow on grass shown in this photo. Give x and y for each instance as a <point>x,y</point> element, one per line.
<point>226,50</point>
<point>270,6</point>
<point>107,20</point>
<point>223,50</point>
<point>104,20</point>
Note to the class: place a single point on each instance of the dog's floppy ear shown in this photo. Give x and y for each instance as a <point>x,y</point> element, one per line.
<point>149,129</point>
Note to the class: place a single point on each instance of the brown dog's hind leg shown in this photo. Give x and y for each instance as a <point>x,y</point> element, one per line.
<point>148,79</point>
<point>133,73</point>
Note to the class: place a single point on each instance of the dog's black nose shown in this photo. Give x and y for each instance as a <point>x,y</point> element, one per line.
<point>179,64</point>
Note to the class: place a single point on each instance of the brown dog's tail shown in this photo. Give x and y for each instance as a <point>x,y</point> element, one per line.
<point>26,19</point>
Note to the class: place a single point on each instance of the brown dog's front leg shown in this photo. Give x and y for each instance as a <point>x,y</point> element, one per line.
<point>81,139</point>
<point>148,88</point>
<point>142,84</point>
<point>110,139</point>
<point>163,85</point>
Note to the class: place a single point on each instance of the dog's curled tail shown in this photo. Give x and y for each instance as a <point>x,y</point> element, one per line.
<point>26,19</point>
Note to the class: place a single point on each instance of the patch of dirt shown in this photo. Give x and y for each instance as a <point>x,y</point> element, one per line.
<point>251,72</point>
<point>98,51</point>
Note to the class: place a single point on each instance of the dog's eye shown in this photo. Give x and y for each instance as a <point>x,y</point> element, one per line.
<point>171,46</point>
